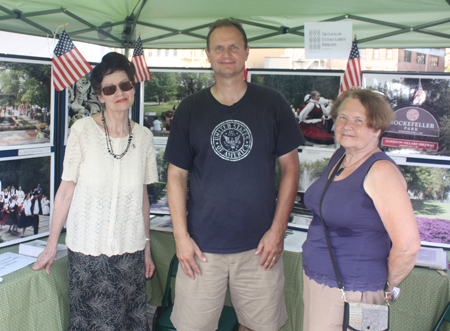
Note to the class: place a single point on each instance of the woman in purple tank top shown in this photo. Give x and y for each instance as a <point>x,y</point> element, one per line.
<point>365,209</point>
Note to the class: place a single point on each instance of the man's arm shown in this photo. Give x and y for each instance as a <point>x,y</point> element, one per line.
<point>177,179</point>
<point>273,240</point>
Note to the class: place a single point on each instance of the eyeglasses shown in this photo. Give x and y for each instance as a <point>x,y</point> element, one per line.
<point>124,86</point>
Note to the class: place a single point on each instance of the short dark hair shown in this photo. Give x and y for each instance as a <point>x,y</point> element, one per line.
<point>226,22</point>
<point>111,63</point>
<point>379,112</point>
<point>314,93</point>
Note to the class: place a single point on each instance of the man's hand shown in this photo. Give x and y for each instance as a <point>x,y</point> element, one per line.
<point>186,250</point>
<point>272,242</point>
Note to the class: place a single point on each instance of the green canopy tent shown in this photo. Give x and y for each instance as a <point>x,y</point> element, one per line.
<point>268,23</point>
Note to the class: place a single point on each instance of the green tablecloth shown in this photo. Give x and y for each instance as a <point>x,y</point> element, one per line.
<point>35,301</point>
<point>424,293</point>
<point>32,300</point>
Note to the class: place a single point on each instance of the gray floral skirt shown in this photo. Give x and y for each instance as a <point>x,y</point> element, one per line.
<point>107,293</point>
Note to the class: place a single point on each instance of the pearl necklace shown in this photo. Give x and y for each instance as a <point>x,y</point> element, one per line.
<point>341,169</point>
<point>108,139</point>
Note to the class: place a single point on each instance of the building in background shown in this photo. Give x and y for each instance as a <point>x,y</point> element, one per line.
<point>376,59</point>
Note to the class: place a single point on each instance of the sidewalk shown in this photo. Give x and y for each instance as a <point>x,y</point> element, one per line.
<point>22,137</point>
<point>44,226</point>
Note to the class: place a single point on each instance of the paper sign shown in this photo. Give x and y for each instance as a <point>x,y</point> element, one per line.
<point>10,262</point>
<point>328,40</point>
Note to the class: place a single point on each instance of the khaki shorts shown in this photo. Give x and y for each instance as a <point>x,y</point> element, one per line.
<point>257,295</point>
<point>324,307</point>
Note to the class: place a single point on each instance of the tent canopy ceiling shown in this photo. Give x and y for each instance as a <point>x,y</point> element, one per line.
<point>268,23</point>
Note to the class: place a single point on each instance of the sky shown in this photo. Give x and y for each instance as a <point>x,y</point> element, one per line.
<point>19,44</point>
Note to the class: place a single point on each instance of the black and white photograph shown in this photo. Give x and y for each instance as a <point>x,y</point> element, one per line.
<point>25,198</point>
<point>25,104</point>
<point>81,101</point>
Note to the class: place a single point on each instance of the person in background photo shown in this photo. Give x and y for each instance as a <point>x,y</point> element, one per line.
<point>314,119</point>
<point>156,126</point>
<point>11,215</point>
<point>226,140</point>
<point>25,219</point>
<point>36,210</point>
<point>20,195</point>
<point>365,209</point>
<point>169,118</point>
<point>109,161</point>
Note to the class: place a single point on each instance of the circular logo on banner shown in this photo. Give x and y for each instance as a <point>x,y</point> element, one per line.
<point>412,114</point>
<point>232,140</point>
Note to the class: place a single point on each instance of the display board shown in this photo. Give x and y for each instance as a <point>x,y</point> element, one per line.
<point>422,106</point>
<point>26,100</point>
<point>161,97</point>
<point>24,182</point>
<point>418,139</point>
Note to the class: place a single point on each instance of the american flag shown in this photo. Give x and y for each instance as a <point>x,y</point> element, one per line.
<point>352,75</point>
<point>142,71</point>
<point>420,95</point>
<point>68,63</point>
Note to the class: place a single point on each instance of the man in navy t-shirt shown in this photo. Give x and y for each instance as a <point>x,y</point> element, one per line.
<point>225,140</point>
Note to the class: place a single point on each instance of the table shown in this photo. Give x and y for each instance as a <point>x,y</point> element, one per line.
<point>34,301</point>
<point>424,293</point>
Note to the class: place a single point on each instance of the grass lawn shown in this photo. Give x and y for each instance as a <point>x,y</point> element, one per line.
<point>158,109</point>
<point>431,209</point>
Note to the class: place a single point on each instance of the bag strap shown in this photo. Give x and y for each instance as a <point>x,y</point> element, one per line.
<point>336,271</point>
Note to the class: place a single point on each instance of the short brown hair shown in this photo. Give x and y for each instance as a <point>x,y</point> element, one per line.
<point>226,22</point>
<point>378,110</point>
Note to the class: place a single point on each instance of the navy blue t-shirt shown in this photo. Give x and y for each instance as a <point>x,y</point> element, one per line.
<point>230,152</point>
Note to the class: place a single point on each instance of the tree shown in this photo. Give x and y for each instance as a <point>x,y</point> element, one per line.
<point>296,87</point>
<point>162,87</point>
<point>191,82</point>
<point>31,80</point>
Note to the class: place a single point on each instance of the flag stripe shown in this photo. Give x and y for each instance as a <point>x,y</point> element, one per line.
<point>59,79</point>
<point>65,72</point>
<point>352,75</point>
<point>68,63</point>
<point>142,70</point>
<point>68,68</point>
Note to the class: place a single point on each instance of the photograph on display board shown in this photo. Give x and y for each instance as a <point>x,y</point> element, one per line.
<point>422,108</point>
<point>164,92</point>
<point>81,101</point>
<point>25,103</point>
<point>310,95</point>
<point>429,191</point>
<point>25,198</point>
<point>312,165</point>
<point>157,192</point>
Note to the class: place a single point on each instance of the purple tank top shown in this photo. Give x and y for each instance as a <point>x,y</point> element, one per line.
<point>358,238</point>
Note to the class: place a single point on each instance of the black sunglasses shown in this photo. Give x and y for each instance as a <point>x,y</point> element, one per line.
<point>125,86</point>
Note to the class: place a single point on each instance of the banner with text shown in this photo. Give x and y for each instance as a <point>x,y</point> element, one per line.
<point>328,40</point>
